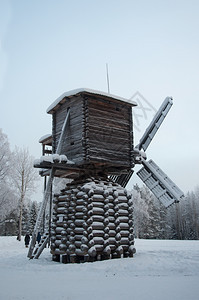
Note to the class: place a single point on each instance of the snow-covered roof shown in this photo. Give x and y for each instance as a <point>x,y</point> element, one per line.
<point>45,137</point>
<point>71,93</point>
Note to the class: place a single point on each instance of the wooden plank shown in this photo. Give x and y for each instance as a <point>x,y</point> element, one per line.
<point>108,113</point>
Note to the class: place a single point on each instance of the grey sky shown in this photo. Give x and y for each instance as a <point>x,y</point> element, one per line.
<point>49,47</point>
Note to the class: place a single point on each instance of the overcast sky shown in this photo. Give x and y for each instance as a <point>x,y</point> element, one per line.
<point>49,47</point>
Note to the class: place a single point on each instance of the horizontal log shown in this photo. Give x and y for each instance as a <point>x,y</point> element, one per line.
<point>112,241</point>
<point>96,233</point>
<point>122,199</point>
<point>79,223</point>
<point>123,205</point>
<point>79,230</point>
<point>81,252</point>
<point>97,211</point>
<point>98,204</point>
<point>80,208</point>
<point>112,233</point>
<point>113,247</point>
<point>124,226</point>
<point>124,233</point>
<point>78,244</point>
<point>58,251</point>
<point>111,212</point>
<point>62,198</point>
<point>98,218</point>
<point>123,219</point>
<point>62,247</point>
<point>59,229</point>
<point>124,241</point>
<point>61,210</point>
<point>111,226</point>
<point>99,248</point>
<point>81,202</point>
<point>79,215</point>
<point>97,226</point>
<point>57,243</point>
<point>97,197</point>
<point>123,212</point>
<point>98,240</point>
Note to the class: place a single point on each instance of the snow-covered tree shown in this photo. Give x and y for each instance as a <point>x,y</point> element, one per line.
<point>24,178</point>
<point>190,215</point>
<point>8,202</point>
<point>33,215</point>
<point>25,217</point>
<point>153,223</point>
<point>7,195</point>
<point>4,156</point>
<point>140,213</point>
<point>149,214</point>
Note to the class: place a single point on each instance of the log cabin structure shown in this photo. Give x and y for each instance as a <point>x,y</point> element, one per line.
<point>92,146</point>
<point>98,136</point>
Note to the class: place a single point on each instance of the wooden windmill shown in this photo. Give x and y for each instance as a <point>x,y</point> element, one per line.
<point>92,145</point>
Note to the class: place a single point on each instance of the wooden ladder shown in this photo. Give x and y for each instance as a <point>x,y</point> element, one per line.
<point>34,252</point>
<point>39,221</point>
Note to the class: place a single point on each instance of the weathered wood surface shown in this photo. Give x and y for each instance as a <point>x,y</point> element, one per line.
<point>93,218</point>
<point>72,144</point>
<point>99,130</point>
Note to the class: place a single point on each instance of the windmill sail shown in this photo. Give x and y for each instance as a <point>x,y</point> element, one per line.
<point>155,124</point>
<point>159,183</point>
<point>148,136</point>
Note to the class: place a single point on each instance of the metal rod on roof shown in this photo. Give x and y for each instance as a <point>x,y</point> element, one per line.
<point>107,77</point>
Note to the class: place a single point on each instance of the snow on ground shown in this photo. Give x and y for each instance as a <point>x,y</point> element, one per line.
<point>160,269</point>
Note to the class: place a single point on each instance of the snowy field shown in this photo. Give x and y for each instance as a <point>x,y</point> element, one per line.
<point>159,270</point>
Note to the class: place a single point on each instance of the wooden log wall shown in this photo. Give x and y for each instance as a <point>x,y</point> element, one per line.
<point>109,132</point>
<point>99,131</point>
<point>72,145</point>
<point>92,220</point>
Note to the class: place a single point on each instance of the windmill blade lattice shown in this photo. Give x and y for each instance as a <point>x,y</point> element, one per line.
<point>155,124</point>
<point>147,137</point>
<point>159,183</point>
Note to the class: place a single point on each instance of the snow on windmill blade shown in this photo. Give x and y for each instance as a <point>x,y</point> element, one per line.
<point>159,183</point>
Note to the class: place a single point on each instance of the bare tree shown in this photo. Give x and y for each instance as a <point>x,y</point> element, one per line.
<point>24,178</point>
<point>8,201</point>
<point>4,156</point>
<point>7,197</point>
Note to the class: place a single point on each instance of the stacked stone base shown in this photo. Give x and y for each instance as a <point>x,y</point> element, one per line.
<point>92,220</point>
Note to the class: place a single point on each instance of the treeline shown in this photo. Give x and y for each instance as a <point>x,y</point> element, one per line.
<point>17,183</point>
<point>153,221</point>
<point>10,224</point>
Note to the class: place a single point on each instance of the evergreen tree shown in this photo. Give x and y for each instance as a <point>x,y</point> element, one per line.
<point>33,216</point>
<point>24,178</point>
<point>25,219</point>
<point>140,213</point>
<point>153,229</point>
<point>153,220</point>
